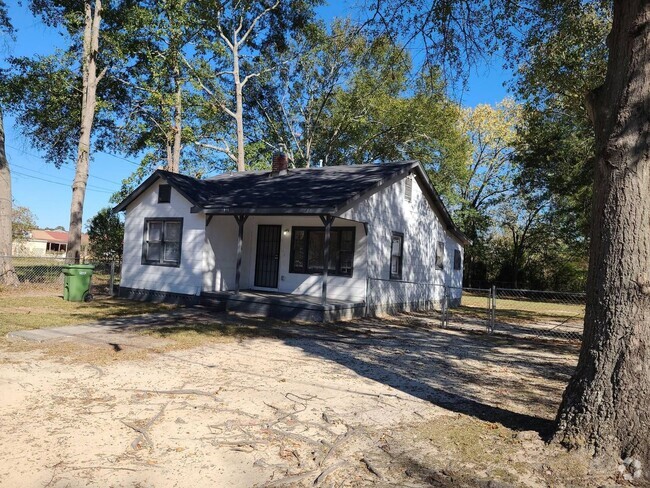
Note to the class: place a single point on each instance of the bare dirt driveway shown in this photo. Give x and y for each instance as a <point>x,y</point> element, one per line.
<point>212,400</point>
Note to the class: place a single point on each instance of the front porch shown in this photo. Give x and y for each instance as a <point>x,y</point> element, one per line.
<point>284,306</point>
<point>282,256</point>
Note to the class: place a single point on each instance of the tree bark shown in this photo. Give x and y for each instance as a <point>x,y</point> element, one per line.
<point>92,20</point>
<point>605,406</point>
<point>174,159</point>
<point>7,272</point>
<point>239,107</point>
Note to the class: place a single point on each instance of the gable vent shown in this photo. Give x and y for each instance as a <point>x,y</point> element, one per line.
<point>408,188</point>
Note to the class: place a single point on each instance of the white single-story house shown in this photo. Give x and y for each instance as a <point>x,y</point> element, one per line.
<point>257,241</point>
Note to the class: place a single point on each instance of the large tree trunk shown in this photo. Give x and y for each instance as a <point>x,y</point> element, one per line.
<point>92,20</point>
<point>605,406</point>
<point>7,273</point>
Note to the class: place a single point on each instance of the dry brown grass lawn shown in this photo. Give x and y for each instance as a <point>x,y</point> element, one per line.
<point>35,312</point>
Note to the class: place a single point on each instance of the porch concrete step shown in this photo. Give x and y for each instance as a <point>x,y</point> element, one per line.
<point>214,302</point>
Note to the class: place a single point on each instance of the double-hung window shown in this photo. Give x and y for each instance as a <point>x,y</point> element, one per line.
<point>307,245</point>
<point>162,242</point>
<point>396,255</point>
<point>440,255</point>
<point>457,260</point>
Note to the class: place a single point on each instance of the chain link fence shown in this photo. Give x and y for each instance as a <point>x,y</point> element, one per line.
<point>513,312</point>
<point>44,275</point>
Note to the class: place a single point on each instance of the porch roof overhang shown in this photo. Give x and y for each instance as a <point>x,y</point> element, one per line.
<point>263,211</point>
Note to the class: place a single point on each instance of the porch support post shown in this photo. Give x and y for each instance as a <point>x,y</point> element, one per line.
<point>241,219</point>
<point>327,222</point>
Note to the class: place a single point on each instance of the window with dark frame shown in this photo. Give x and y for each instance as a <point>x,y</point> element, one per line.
<point>440,255</point>
<point>164,193</point>
<point>396,255</point>
<point>162,242</point>
<point>457,263</point>
<point>307,250</point>
<point>408,188</point>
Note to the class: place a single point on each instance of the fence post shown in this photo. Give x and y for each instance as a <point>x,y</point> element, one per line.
<point>111,280</point>
<point>493,307</point>
<point>367,313</point>
<point>444,307</point>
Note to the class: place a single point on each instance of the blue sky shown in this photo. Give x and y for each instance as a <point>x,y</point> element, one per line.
<point>46,190</point>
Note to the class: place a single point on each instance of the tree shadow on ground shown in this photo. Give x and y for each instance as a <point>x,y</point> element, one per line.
<point>518,383</point>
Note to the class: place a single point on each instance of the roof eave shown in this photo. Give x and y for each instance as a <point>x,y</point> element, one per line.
<point>145,185</point>
<point>262,211</point>
<point>451,226</point>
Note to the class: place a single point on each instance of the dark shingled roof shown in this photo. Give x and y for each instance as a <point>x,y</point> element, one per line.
<point>326,190</point>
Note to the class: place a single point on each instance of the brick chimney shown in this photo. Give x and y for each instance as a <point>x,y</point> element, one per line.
<point>280,164</point>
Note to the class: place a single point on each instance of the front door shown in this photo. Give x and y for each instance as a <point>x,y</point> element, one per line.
<point>267,261</point>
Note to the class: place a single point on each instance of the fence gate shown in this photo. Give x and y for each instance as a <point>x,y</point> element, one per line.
<point>539,314</point>
<point>468,309</point>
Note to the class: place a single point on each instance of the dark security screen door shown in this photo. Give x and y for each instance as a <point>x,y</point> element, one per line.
<point>268,256</point>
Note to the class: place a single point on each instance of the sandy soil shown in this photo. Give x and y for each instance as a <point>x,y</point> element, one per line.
<point>381,403</point>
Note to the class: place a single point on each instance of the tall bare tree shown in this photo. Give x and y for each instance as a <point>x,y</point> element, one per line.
<point>91,76</point>
<point>240,41</point>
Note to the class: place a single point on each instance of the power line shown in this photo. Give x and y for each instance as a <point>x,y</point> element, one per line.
<point>62,167</point>
<point>95,187</point>
<point>96,150</point>
<point>58,183</point>
<point>119,157</point>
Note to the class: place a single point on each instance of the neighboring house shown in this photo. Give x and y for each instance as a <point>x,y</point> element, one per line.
<point>49,243</point>
<point>263,233</point>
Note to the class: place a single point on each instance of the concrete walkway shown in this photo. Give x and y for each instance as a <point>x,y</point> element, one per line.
<point>109,326</point>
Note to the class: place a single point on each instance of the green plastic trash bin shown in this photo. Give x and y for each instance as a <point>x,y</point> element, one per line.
<point>76,284</point>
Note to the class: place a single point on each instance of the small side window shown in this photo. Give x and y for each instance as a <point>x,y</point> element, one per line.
<point>164,193</point>
<point>440,255</point>
<point>457,263</point>
<point>396,255</point>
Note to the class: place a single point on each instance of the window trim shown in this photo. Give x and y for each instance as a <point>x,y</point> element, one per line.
<point>170,193</point>
<point>162,220</point>
<point>441,265</point>
<point>399,274</point>
<point>306,270</point>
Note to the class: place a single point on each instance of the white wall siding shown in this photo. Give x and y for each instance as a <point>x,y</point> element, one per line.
<point>388,211</point>
<point>186,278</point>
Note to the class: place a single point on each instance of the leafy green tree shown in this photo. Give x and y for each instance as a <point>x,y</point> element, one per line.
<point>603,406</point>
<point>563,61</point>
<point>239,42</point>
<point>157,119</point>
<point>22,221</point>
<point>106,235</point>
<point>346,99</point>
<point>57,99</point>
<point>488,178</point>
